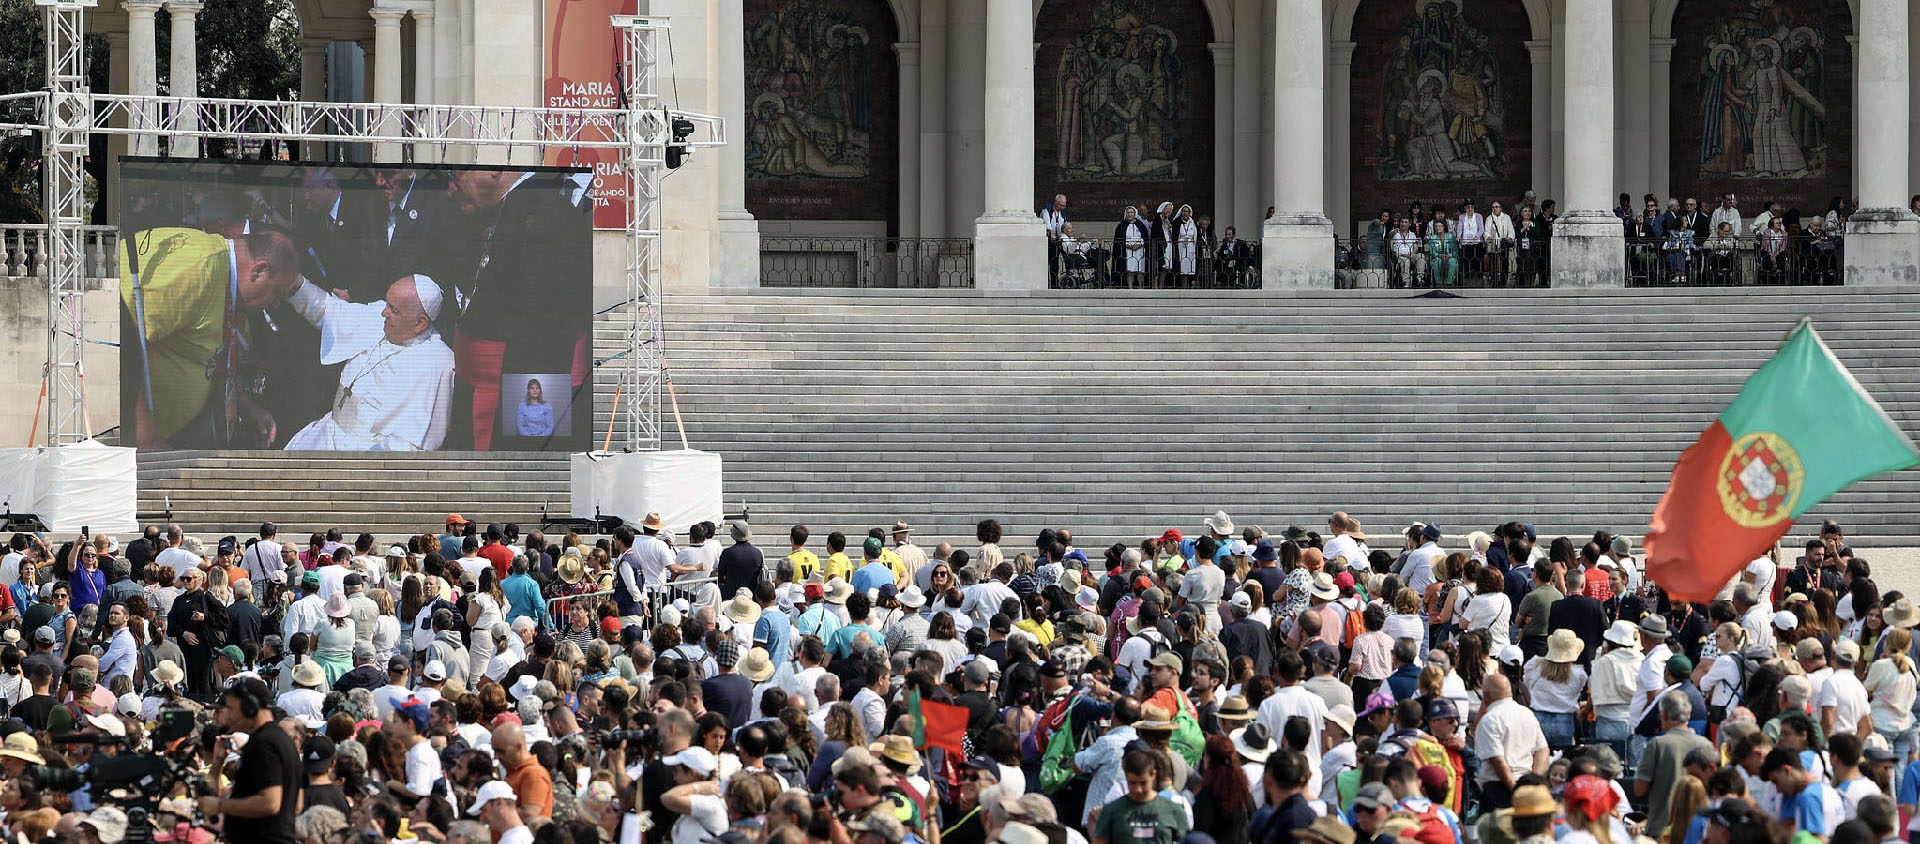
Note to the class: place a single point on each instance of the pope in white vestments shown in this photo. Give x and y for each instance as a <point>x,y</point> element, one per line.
<point>397,387</point>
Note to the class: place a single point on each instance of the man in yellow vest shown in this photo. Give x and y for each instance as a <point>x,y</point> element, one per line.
<point>189,293</point>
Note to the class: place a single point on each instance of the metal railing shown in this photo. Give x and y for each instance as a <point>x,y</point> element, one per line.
<point>688,588</point>
<point>1805,259</point>
<point>1382,263</point>
<point>866,262</point>
<point>1092,262</point>
<point>23,251</point>
<point>557,607</point>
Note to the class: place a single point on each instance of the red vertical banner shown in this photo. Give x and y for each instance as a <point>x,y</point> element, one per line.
<point>582,60</point>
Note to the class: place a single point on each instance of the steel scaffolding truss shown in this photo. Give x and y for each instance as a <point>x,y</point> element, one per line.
<point>67,113</point>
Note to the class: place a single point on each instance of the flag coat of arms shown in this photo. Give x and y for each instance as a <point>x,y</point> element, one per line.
<point>1801,429</point>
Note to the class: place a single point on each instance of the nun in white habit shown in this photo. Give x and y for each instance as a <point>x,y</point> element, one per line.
<point>397,386</point>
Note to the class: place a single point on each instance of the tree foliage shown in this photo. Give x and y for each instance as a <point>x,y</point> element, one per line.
<point>247,49</point>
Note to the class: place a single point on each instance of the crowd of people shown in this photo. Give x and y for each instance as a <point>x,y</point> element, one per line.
<point>1233,686</point>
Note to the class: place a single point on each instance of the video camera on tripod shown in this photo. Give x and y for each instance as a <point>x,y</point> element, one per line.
<point>136,782</point>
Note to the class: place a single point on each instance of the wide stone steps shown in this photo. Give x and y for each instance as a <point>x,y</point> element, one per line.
<point>1121,413</point>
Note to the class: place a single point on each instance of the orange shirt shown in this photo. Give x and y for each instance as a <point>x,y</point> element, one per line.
<point>535,787</point>
<point>1599,584</point>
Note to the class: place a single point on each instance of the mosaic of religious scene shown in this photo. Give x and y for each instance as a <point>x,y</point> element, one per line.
<point>1441,109</point>
<point>1122,93</point>
<point>810,106</point>
<point>1762,107</point>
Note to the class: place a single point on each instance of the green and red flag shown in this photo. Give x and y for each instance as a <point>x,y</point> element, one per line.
<point>1801,429</point>
<point>936,724</point>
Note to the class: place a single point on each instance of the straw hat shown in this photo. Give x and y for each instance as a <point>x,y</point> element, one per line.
<point>742,609</point>
<point>1235,709</point>
<point>1323,587</point>
<point>1153,718</point>
<point>1564,646</point>
<point>1902,614</point>
<point>570,568</point>
<point>897,748</point>
<point>168,673</point>
<point>653,522</point>
<point>309,674</point>
<point>22,746</point>
<point>838,591</point>
<point>1532,801</point>
<point>756,665</point>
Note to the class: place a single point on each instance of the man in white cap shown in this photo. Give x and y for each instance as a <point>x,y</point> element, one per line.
<point>695,796</point>
<point>396,390</point>
<point>498,807</point>
<point>107,824</point>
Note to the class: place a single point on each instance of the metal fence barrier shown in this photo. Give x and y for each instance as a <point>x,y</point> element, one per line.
<point>1090,262</point>
<point>1785,260</point>
<point>866,262</point>
<point>557,608</point>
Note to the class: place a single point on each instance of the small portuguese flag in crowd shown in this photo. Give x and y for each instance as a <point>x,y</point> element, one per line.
<point>1801,429</point>
<point>936,724</point>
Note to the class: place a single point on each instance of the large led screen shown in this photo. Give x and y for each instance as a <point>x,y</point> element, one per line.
<point>314,307</point>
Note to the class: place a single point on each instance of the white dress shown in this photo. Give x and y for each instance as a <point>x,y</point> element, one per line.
<point>480,650</point>
<point>1136,258</point>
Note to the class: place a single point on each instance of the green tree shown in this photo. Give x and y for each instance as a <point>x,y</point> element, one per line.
<point>248,49</point>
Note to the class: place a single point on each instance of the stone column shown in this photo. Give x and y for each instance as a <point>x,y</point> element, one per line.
<point>1913,100</point>
<point>737,259</point>
<point>183,74</point>
<point>424,90</point>
<point>1557,133</point>
<point>1340,165</point>
<point>1659,111</point>
<point>1223,120</point>
<point>933,119</point>
<point>908,54</point>
<point>1540,109</point>
<point>1635,134</point>
<point>386,66</point>
<point>1883,237</point>
<point>1296,248</point>
<point>1853,47</point>
<point>313,87</point>
<point>143,69</point>
<point>1009,242</point>
<point>1249,199</point>
<point>119,53</point>
<point>966,136</point>
<point>1589,247</point>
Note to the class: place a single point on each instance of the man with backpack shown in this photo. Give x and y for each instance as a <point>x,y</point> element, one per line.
<point>1433,822</point>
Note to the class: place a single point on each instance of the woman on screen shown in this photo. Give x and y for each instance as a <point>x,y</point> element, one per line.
<point>536,416</point>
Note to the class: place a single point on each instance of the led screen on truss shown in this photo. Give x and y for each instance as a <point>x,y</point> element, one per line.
<point>308,307</point>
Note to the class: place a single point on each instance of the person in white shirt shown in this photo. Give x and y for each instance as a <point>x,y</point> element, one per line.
<point>695,797</point>
<point>1841,703</point>
<point>1761,573</point>
<point>1507,740</point>
<point>498,807</point>
<point>263,564</point>
<point>1347,542</point>
<point>1756,615</point>
<point>304,614</point>
<point>306,701</point>
<point>1417,572</point>
<point>176,557</point>
<point>983,599</point>
<point>1726,213</point>
<point>1473,239</point>
<point>1650,680</point>
<point>871,701</point>
<point>1499,241</point>
<point>1291,699</point>
<point>407,724</point>
<point>396,690</point>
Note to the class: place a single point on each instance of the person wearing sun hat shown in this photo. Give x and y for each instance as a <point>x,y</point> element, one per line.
<point>19,751</point>
<point>1613,677</point>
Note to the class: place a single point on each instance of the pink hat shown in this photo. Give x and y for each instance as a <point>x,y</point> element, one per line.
<point>1344,579</point>
<point>337,606</point>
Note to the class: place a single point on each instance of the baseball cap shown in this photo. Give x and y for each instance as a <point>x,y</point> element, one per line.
<point>1441,707</point>
<point>44,636</point>
<point>415,710</point>
<point>317,754</point>
<point>1432,776</point>
<point>435,670</point>
<point>610,624</point>
<point>1380,699</point>
<point>397,663</point>
<point>872,545</point>
<point>226,546</point>
<point>493,790</point>
<point>697,759</point>
<point>1373,795</point>
<point>977,671</point>
<point>232,652</point>
<point>1166,659</point>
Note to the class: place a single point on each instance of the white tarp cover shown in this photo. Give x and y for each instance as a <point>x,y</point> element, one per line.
<point>682,486</point>
<point>86,484</point>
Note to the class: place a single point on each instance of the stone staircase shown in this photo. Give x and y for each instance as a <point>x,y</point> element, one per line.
<point>1120,413</point>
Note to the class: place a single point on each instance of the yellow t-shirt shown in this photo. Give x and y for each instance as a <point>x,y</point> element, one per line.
<point>804,562</point>
<point>1041,631</point>
<point>182,310</point>
<point>894,562</point>
<point>837,565</point>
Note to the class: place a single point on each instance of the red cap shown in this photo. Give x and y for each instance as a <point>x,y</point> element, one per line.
<point>610,624</point>
<point>815,590</point>
<point>1143,583</point>
<point>1170,536</point>
<point>1343,579</point>
<point>512,718</point>
<point>1432,776</point>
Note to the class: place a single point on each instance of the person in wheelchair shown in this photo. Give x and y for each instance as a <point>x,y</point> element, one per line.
<point>1233,261</point>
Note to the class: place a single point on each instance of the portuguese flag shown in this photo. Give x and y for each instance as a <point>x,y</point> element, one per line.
<point>936,724</point>
<point>1801,429</point>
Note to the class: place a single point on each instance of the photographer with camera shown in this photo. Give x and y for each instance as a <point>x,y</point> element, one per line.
<point>259,806</point>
